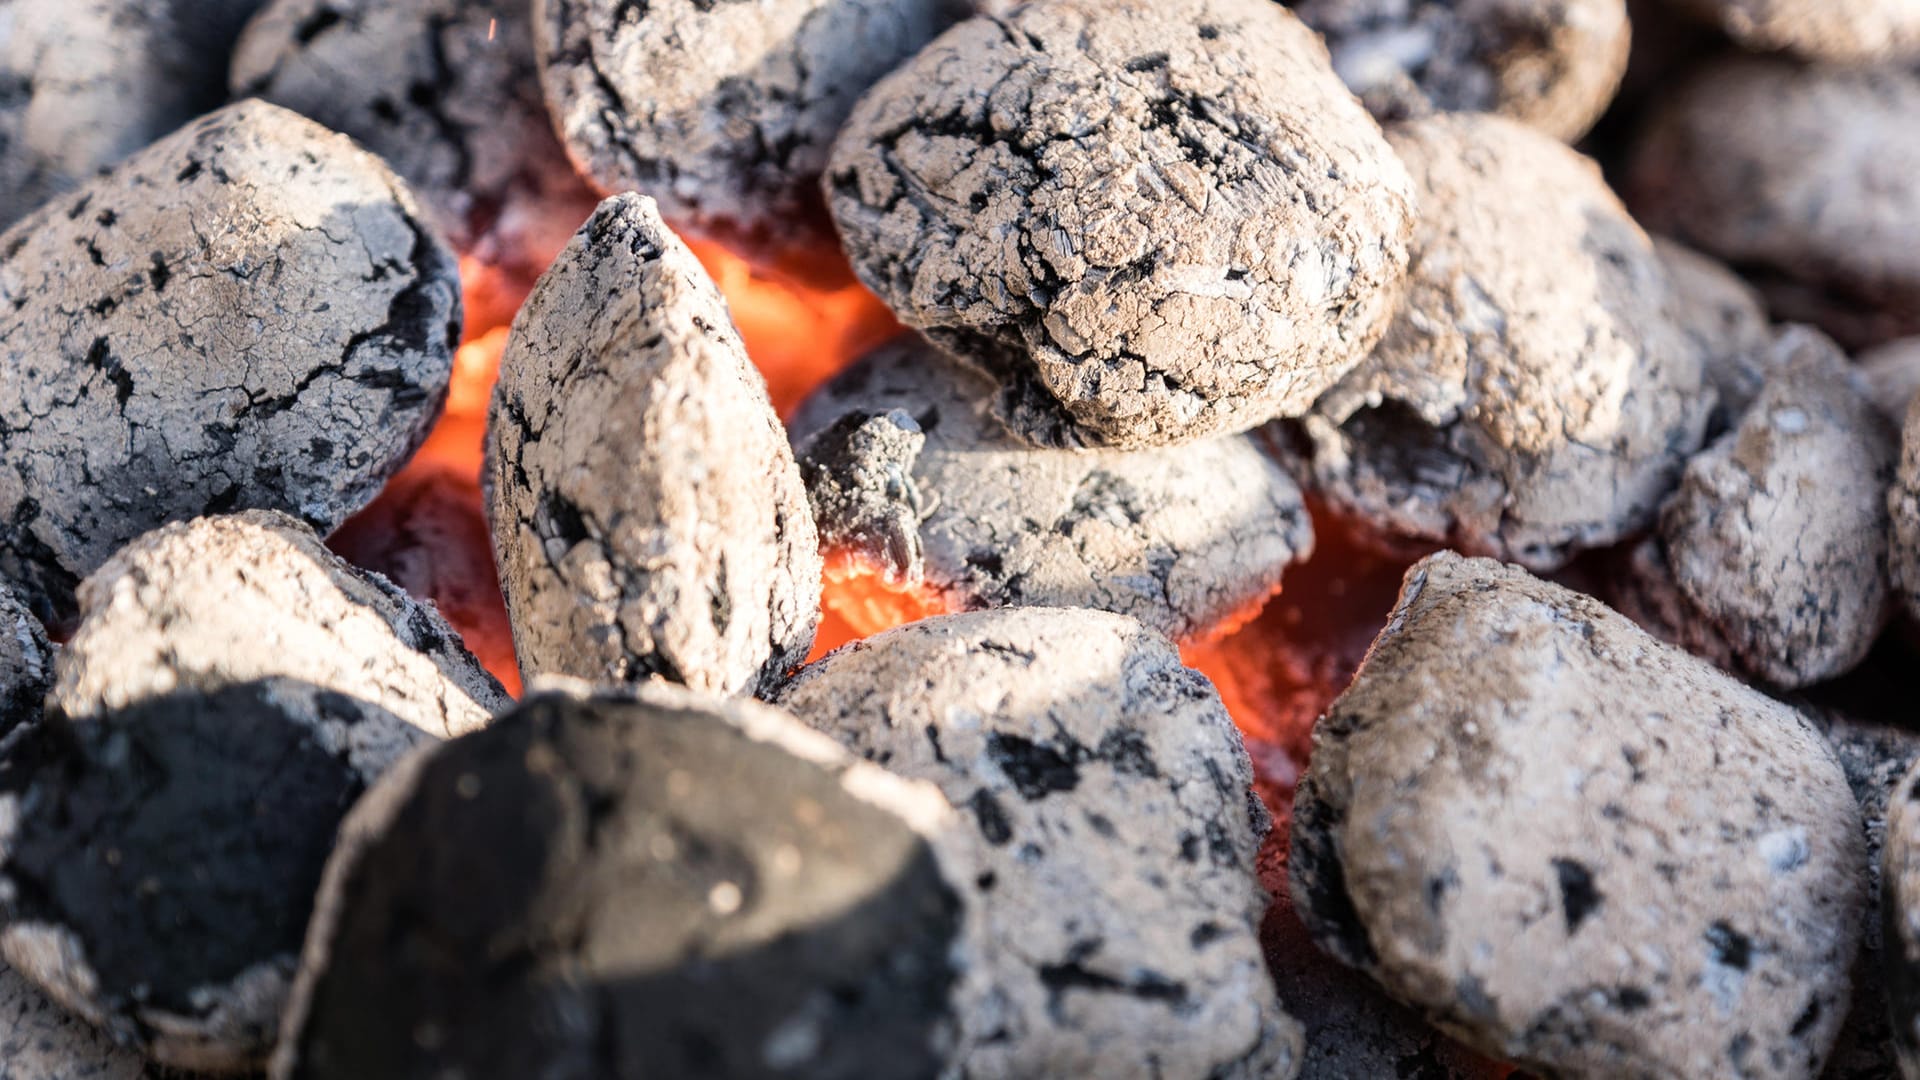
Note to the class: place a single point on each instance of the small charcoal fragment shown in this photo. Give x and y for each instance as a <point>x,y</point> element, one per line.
<point>666,885</point>
<point>1771,556</point>
<point>1152,221</point>
<point>1845,32</point>
<point>1807,179</point>
<point>1727,320</point>
<point>1550,64</point>
<point>724,113</point>
<point>229,601</point>
<point>1579,849</point>
<point>448,93</point>
<point>26,665</point>
<point>247,314</point>
<point>39,1040</point>
<point>85,83</point>
<point>647,512</point>
<point>1112,826</point>
<point>1892,372</point>
<point>159,860</point>
<point>1535,395</point>
<point>1181,538</point>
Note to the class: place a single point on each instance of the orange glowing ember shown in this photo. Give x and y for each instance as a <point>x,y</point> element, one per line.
<point>858,600</point>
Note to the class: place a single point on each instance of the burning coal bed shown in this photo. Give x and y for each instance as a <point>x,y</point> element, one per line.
<point>582,539</point>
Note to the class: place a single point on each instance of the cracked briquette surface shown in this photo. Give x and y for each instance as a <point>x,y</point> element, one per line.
<point>1805,179</point>
<point>39,1040</point>
<point>1152,221</point>
<point>1579,849</point>
<point>228,601</point>
<point>158,861</point>
<point>448,92</point>
<point>1180,538</point>
<point>1856,32</point>
<point>1106,805</point>
<point>1534,396</point>
<point>647,512</point>
<point>1770,558</point>
<point>1727,320</point>
<point>26,664</point>
<point>85,83</point>
<point>1550,64</point>
<point>723,111</point>
<point>247,314</point>
<point>1892,372</point>
<point>667,885</point>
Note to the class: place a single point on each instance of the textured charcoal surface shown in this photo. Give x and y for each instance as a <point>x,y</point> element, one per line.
<point>1550,64</point>
<point>662,886</point>
<point>447,91</point>
<point>85,83</point>
<point>1534,396</point>
<point>1180,538</point>
<point>1153,221</point>
<point>39,1040</point>
<point>1112,825</point>
<point>1577,848</point>
<point>1892,372</point>
<point>1855,32</point>
<point>1806,179</point>
<point>1903,503</point>
<point>1771,556</point>
<point>1900,908</point>
<point>26,666</point>
<point>1727,320</point>
<point>246,314</point>
<point>647,511</point>
<point>159,860</point>
<point>229,601</point>
<point>723,111</point>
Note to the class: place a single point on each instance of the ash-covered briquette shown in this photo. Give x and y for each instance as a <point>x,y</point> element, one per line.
<point>39,1040</point>
<point>1807,179</point>
<point>1727,320</point>
<point>26,664</point>
<point>1112,828</point>
<point>1577,848</point>
<point>448,92</point>
<point>662,885</point>
<point>1892,372</point>
<point>85,83</point>
<point>647,512</point>
<point>1550,64</point>
<point>229,601</point>
<point>1535,395</point>
<point>1152,221</point>
<point>1771,556</point>
<point>1853,32</point>
<point>158,861</point>
<point>908,467</point>
<point>1903,503</point>
<point>247,314</point>
<point>724,113</point>
<point>1900,907</point>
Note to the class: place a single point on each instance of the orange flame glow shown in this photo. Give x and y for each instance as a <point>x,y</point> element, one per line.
<point>858,600</point>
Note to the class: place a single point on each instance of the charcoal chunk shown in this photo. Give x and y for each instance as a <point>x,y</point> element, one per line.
<point>1181,538</point>
<point>1892,372</point>
<point>26,664</point>
<point>647,512</point>
<point>723,112</point>
<point>1727,320</point>
<point>1113,818</point>
<point>1152,221</point>
<point>1900,908</point>
<point>41,1041</point>
<point>247,314</point>
<point>661,885</point>
<point>1855,32</point>
<point>1550,64</point>
<point>1503,728</point>
<point>1534,396</point>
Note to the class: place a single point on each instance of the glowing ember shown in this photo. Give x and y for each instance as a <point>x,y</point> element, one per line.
<point>860,600</point>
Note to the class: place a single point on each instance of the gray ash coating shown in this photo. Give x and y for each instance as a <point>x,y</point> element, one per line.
<point>1892,372</point>
<point>647,513</point>
<point>1550,64</point>
<point>26,664</point>
<point>1856,32</point>
<point>1576,848</point>
<point>1536,395</point>
<point>448,93</point>
<point>1903,503</point>
<point>1805,179</point>
<point>1180,538</point>
<point>1771,556</point>
<point>1152,221</point>
<point>1727,320</point>
<point>160,860</point>
<point>39,1040</point>
<point>1900,911</point>
<point>1110,826</point>
<point>723,112</point>
<point>665,886</point>
<point>246,314</point>
<point>85,83</point>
